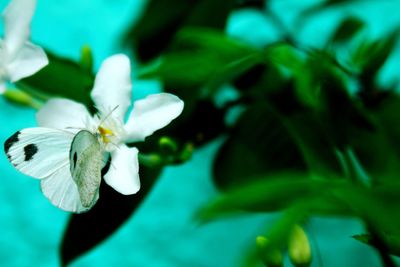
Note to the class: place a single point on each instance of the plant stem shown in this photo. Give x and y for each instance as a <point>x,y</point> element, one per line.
<point>381,247</point>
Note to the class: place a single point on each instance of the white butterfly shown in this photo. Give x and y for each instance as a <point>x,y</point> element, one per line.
<point>68,165</point>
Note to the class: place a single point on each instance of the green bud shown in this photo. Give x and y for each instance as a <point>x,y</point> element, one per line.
<point>150,160</point>
<point>299,247</point>
<point>21,98</point>
<point>186,152</point>
<point>270,257</point>
<point>86,60</point>
<point>167,145</point>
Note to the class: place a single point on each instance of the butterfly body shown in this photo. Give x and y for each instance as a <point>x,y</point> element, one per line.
<point>85,167</point>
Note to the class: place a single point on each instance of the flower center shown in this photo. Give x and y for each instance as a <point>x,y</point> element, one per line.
<point>110,131</point>
<point>105,134</point>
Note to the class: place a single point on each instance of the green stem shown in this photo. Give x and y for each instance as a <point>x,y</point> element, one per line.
<point>381,247</point>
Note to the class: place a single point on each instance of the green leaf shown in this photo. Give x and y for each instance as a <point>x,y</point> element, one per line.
<point>316,146</point>
<point>87,230</point>
<point>258,145</point>
<point>379,150</point>
<point>205,58</point>
<point>276,192</point>
<point>60,78</point>
<point>265,141</point>
<point>346,30</point>
<point>285,55</point>
<point>393,242</point>
<point>378,208</point>
<point>369,57</point>
<point>325,91</point>
<point>155,30</point>
<point>317,195</point>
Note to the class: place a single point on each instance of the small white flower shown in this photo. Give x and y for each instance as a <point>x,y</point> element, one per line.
<point>18,57</point>
<point>112,97</point>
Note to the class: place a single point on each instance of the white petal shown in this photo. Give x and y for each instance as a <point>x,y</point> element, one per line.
<point>151,114</point>
<point>17,19</point>
<point>123,174</point>
<point>63,192</point>
<point>62,113</point>
<point>29,60</point>
<point>113,86</point>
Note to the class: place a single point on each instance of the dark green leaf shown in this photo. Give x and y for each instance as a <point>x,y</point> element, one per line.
<point>322,6</point>
<point>364,238</point>
<point>87,230</point>
<point>393,242</point>
<point>314,143</point>
<point>317,195</point>
<point>256,4</point>
<point>264,142</point>
<point>205,59</point>
<point>259,144</point>
<point>346,30</point>
<point>277,192</point>
<point>369,58</point>
<point>163,18</point>
<point>325,90</point>
<point>60,78</point>
<point>379,150</point>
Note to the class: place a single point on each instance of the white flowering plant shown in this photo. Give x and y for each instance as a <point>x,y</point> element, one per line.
<point>301,130</point>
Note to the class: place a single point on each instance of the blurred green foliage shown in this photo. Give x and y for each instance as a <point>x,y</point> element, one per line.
<point>306,143</point>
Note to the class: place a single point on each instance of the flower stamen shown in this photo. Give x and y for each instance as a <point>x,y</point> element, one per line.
<point>105,134</point>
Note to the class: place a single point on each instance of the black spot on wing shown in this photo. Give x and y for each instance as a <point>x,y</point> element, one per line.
<point>75,158</point>
<point>30,150</point>
<point>10,141</point>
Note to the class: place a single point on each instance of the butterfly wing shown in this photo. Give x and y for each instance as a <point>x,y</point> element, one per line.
<point>44,153</point>
<point>85,166</point>
<point>38,152</point>
<point>62,191</point>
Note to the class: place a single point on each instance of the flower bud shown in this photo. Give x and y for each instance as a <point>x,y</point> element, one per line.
<point>270,257</point>
<point>150,160</point>
<point>86,60</point>
<point>167,145</point>
<point>299,247</point>
<point>186,152</point>
<point>21,98</point>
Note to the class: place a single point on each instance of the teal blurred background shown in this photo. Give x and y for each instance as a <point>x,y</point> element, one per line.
<point>163,232</point>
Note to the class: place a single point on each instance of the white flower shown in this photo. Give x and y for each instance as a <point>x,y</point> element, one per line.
<point>18,57</point>
<point>112,97</point>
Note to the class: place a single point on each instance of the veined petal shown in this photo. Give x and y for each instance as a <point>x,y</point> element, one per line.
<point>63,113</point>
<point>113,86</point>
<point>151,114</point>
<point>17,19</point>
<point>29,60</point>
<point>123,174</point>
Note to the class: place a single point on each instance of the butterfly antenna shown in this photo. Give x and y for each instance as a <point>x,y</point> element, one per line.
<point>114,145</point>
<point>108,115</point>
<point>111,164</point>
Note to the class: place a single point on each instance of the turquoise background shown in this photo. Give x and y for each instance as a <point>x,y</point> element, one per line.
<point>163,232</point>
